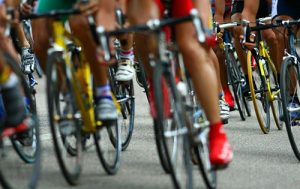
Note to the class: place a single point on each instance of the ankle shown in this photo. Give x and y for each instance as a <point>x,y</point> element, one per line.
<point>103,92</point>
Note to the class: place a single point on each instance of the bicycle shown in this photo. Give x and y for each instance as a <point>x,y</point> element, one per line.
<point>263,81</point>
<point>71,104</point>
<point>289,84</point>
<point>236,77</point>
<point>20,160</point>
<point>173,124</point>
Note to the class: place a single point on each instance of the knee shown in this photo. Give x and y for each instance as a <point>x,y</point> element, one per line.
<point>79,25</point>
<point>270,37</point>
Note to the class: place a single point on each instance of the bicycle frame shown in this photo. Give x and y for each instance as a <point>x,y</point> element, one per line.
<point>264,53</point>
<point>81,77</point>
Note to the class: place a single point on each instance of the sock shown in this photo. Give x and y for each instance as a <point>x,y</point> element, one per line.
<point>103,92</point>
<point>127,54</point>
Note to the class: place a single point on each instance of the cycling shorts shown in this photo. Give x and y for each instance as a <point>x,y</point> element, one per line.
<point>289,7</point>
<point>179,8</point>
<point>263,10</point>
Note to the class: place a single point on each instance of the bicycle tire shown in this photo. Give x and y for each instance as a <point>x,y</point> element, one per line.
<point>30,155</point>
<point>67,145</point>
<point>287,68</point>
<point>179,162</point>
<point>197,118</point>
<point>108,144</point>
<point>124,93</point>
<point>141,77</point>
<point>276,104</point>
<point>236,83</point>
<point>258,91</point>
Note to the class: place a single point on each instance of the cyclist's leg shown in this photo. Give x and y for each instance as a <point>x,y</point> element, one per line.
<point>105,16</point>
<point>9,84</point>
<point>199,64</point>
<point>250,9</point>
<point>269,35</point>
<point>200,67</point>
<point>237,31</point>
<point>125,70</point>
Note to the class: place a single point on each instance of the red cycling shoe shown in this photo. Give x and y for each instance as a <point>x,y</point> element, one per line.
<point>228,98</point>
<point>11,130</point>
<point>220,151</point>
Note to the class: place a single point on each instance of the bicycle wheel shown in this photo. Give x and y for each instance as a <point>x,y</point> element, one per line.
<point>171,127</point>
<point>124,93</point>
<point>64,118</point>
<point>235,81</point>
<point>258,89</point>
<point>276,104</point>
<point>290,91</point>
<point>209,175</point>
<point>20,159</point>
<point>141,77</point>
<point>196,116</point>
<point>108,146</point>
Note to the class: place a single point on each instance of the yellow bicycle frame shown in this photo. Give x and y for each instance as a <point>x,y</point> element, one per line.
<point>264,53</point>
<point>81,77</point>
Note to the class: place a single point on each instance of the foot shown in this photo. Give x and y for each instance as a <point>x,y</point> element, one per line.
<point>224,110</point>
<point>125,70</point>
<point>106,111</point>
<point>27,61</point>
<point>220,151</point>
<point>293,105</point>
<point>229,98</point>
<point>22,131</point>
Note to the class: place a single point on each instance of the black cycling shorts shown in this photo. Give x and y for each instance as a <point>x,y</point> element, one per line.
<point>289,7</point>
<point>263,10</point>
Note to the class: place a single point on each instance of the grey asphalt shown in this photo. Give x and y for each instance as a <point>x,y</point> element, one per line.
<point>260,161</point>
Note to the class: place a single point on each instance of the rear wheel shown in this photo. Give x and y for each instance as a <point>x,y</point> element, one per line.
<point>124,93</point>
<point>276,104</point>
<point>171,127</point>
<point>258,89</point>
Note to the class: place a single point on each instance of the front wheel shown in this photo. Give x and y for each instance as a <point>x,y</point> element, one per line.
<point>20,154</point>
<point>290,91</point>
<point>64,119</point>
<point>108,146</point>
<point>171,126</point>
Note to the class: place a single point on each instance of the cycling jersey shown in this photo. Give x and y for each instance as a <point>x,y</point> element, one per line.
<point>45,6</point>
<point>263,11</point>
